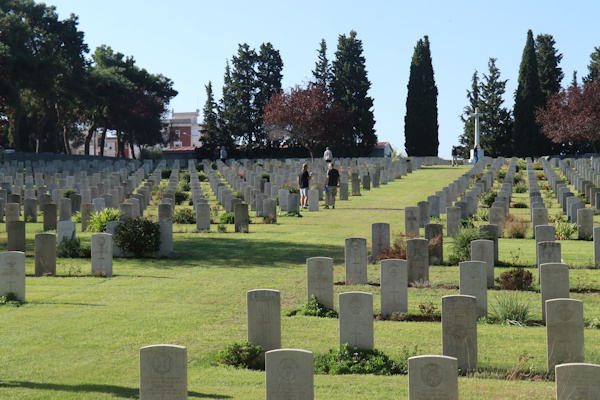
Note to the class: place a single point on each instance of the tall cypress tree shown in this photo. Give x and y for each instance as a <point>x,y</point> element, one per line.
<point>241,112</point>
<point>350,86</point>
<point>496,122</point>
<point>421,120</point>
<point>268,83</point>
<point>528,139</point>
<point>211,134</point>
<point>594,67</point>
<point>322,72</point>
<point>548,58</point>
<point>467,139</point>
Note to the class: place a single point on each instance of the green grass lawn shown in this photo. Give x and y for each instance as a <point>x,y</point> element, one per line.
<point>78,337</point>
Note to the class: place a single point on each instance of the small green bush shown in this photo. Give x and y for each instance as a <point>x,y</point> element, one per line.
<point>75,218</point>
<point>565,230</point>
<point>240,355</point>
<point>180,197</point>
<point>68,192</point>
<point>520,187</point>
<point>184,186</point>
<point>99,219</point>
<point>500,175</point>
<point>184,216</point>
<point>184,176</point>
<point>291,189</point>
<point>139,236</point>
<point>202,176</point>
<point>460,250</point>
<point>521,165</point>
<point>350,360</point>
<point>166,173</point>
<point>315,309</point>
<point>515,227</point>
<point>265,175</point>
<point>227,218</point>
<point>72,248</point>
<point>488,198</point>
<point>518,179</point>
<point>515,279</point>
<point>510,309</point>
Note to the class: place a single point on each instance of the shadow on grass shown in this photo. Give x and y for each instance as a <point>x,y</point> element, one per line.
<point>229,251</point>
<point>116,391</point>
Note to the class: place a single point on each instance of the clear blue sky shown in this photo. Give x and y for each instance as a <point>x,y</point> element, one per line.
<point>190,41</point>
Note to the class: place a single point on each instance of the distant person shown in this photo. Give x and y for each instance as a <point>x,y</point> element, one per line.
<point>303,178</point>
<point>223,154</point>
<point>454,156</point>
<point>216,154</point>
<point>332,182</point>
<point>328,155</point>
<point>476,153</point>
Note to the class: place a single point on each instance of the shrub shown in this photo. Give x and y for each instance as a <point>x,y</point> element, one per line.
<point>515,279</point>
<point>520,204</point>
<point>488,198</point>
<point>461,248</point>
<point>265,175</point>
<point>240,355</point>
<point>75,218</point>
<point>537,166</point>
<point>521,165</point>
<point>213,165</point>
<point>99,219</point>
<point>351,360</point>
<point>138,236</point>
<point>10,299</point>
<point>68,192</point>
<point>166,173</point>
<point>183,186</point>
<point>565,230</point>
<point>221,228</point>
<point>515,227</point>
<point>184,176</point>
<point>202,176</point>
<point>520,187</point>
<point>518,179</point>
<point>482,214</point>
<point>180,197</point>
<point>500,175</point>
<point>315,309</point>
<point>184,216</point>
<point>151,153</point>
<point>291,189</point>
<point>72,248</point>
<point>510,309</point>
<point>227,218</point>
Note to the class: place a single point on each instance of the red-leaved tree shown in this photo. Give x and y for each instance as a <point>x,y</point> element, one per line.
<point>306,117</point>
<point>573,115</point>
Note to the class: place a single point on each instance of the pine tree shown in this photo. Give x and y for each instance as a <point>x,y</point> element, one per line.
<point>211,134</point>
<point>421,120</point>
<point>594,67</point>
<point>467,139</point>
<point>322,72</point>
<point>528,140</point>
<point>548,58</point>
<point>268,83</point>
<point>226,106</point>
<point>350,86</point>
<point>496,122</point>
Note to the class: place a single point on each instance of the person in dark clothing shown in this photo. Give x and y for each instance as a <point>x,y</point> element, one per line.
<point>454,156</point>
<point>332,181</point>
<point>303,178</point>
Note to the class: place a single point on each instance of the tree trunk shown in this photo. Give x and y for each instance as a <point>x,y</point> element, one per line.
<point>66,140</point>
<point>88,138</point>
<point>131,150</point>
<point>102,139</point>
<point>39,133</point>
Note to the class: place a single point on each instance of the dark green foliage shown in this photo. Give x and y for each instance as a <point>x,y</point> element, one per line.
<point>268,82</point>
<point>184,186</point>
<point>350,85</point>
<point>227,218</point>
<point>166,173</point>
<point>548,58</point>
<point>211,132</point>
<point>593,67</point>
<point>139,236</point>
<point>322,73</point>
<point>421,120</point>
<point>184,216</point>
<point>488,198</point>
<point>72,248</point>
<point>528,139</point>
<point>291,189</point>
<point>180,195</point>
<point>467,139</point>
<point>265,175</point>
<point>460,250</point>
<point>515,279</point>
<point>351,360</point>
<point>202,176</point>
<point>68,192</point>
<point>184,176</point>
<point>315,309</point>
<point>10,299</point>
<point>240,355</point>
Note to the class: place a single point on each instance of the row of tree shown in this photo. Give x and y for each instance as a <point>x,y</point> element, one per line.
<point>50,93</point>
<point>334,109</point>
<point>542,119</point>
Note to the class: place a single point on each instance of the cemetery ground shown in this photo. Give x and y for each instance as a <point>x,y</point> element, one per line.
<point>78,337</point>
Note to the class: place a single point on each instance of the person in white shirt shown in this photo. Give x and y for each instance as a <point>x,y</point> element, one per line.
<point>328,155</point>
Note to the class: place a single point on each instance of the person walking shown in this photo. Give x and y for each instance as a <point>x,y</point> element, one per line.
<point>454,156</point>
<point>223,154</point>
<point>303,178</point>
<point>476,153</point>
<point>332,182</point>
<point>328,155</point>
